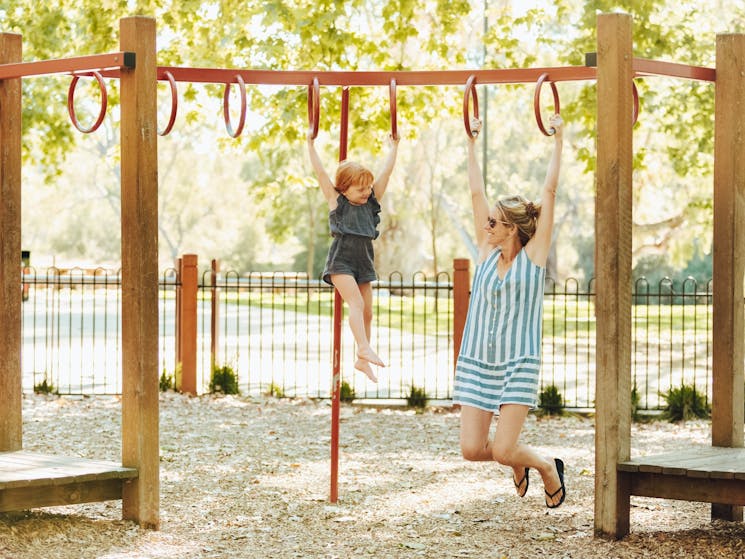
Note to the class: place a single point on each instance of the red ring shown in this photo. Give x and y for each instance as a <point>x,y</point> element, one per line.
<point>394,116</point>
<point>635,94</point>
<point>174,103</point>
<point>470,92</point>
<point>226,108</point>
<point>314,108</point>
<point>537,103</point>
<point>71,102</point>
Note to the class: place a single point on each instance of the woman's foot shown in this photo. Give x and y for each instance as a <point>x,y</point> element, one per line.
<point>556,491</point>
<point>521,483</point>
<point>369,355</point>
<point>364,366</point>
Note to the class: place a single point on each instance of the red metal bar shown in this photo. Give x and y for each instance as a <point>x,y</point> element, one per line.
<point>644,67</point>
<point>338,313</point>
<point>69,65</point>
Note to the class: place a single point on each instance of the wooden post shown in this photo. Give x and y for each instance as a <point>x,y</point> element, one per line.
<point>215,314</point>
<point>10,250</point>
<point>461,296</point>
<point>613,213</point>
<point>139,200</point>
<point>187,328</point>
<point>729,259</point>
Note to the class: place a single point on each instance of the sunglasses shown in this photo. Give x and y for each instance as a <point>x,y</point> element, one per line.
<point>493,222</point>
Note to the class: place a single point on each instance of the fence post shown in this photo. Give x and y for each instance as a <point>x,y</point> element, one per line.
<point>461,295</point>
<point>215,314</point>
<point>187,328</point>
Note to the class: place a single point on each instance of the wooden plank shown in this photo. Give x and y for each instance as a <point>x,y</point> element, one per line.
<point>31,469</point>
<point>723,491</point>
<point>139,226</point>
<point>11,437</point>
<point>24,498</point>
<point>613,204</point>
<point>716,462</point>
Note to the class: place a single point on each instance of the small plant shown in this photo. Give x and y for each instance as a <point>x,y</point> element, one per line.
<point>275,390</point>
<point>550,401</point>
<point>224,380</point>
<point>45,387</point>
<point>167,382</point>
<point>346,392</point>
<point>684,403</point>
<point>636,401</point>
<point>417,398</point>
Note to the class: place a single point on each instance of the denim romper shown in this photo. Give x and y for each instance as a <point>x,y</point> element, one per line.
<point>353,228</point>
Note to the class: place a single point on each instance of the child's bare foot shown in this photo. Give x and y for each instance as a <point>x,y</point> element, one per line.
<point>364,366</point>
<point>369,355</point>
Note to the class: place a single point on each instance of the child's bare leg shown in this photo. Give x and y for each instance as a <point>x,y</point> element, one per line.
<point>352,295</point>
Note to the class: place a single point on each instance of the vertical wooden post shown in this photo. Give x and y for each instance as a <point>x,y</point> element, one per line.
<point>729,258</point>
<point>338,315</point>
<point>215,314</point>
<point>461,295</point>
<point>187,328</point>
<point>10,250</point>
<point>139,199</point>
<point>613,219</point>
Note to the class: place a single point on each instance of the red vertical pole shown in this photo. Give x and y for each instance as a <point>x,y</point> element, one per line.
<point>188,326</point>
<point>338,314</point>
<point>215,316</point>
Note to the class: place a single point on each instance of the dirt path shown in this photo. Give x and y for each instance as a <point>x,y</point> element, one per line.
<point>243,478</point>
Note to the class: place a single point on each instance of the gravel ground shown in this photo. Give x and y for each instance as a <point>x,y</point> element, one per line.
<point>248,478</point>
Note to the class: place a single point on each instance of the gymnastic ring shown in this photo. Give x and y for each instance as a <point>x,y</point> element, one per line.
<point>226,107</point>
<point>394,117</point>
<point>174,104</point>
<point>470,92</point>
<point>635,95</point>
<point>71,102</point>
<point>537,103</point>
<point>314,108</point>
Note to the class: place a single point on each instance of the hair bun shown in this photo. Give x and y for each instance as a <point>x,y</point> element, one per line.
<point>531,210</point>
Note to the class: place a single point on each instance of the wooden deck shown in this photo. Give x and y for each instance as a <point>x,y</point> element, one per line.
<point>706,474</point>
<point>30,480</point>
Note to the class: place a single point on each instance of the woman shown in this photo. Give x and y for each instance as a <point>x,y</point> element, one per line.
<point>499,361</point>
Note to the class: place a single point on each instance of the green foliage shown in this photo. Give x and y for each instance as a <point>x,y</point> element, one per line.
<point>684,403</point>
<point>346,392</point>
<point>167,381</point>
<point>635,403</point>
<point>45,387</point>
<point>417,398</point>
<point>550,401</point>
<point>275,391</point>
<point>223,380</point>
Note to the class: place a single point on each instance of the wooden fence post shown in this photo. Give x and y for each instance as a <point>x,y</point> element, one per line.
<point>187,328</point>
<point>461,296</point>
<point>10,250</point>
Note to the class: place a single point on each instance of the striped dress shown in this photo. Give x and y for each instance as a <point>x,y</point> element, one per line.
<point>500,355</point>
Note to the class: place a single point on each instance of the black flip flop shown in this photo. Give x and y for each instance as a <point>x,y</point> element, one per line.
<point>560,471</point>
<point>525,479</point>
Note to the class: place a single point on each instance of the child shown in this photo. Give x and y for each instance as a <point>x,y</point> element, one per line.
<point>353,200</point>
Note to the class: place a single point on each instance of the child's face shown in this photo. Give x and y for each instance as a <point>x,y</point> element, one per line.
<point>358,194</point>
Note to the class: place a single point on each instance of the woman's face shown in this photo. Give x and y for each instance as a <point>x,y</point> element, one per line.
<point>497,227</point>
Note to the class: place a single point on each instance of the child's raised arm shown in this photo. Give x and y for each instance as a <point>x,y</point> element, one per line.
<point>381,181</point>
<point>327,187</point>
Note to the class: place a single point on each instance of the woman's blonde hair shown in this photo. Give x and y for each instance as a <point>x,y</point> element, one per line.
<point>521,212</point>
<point>350,173</point>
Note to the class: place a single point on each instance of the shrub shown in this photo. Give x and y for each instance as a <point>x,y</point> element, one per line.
<point>45,387</point>
<point>417,398</point>
<point>550,401</point>
<point>636,400</point>
<point>276,391</point>
<point>684,403</point>
<point>224,380</point>
<point>167,382</point>
<point>346,392</point>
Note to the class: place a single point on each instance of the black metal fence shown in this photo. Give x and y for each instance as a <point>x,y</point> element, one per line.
<point>275,331</point>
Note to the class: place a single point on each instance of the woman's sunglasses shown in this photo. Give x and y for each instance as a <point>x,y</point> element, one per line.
<point>493,222</point>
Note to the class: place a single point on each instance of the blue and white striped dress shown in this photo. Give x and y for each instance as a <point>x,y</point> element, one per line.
<point>500,354</point>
